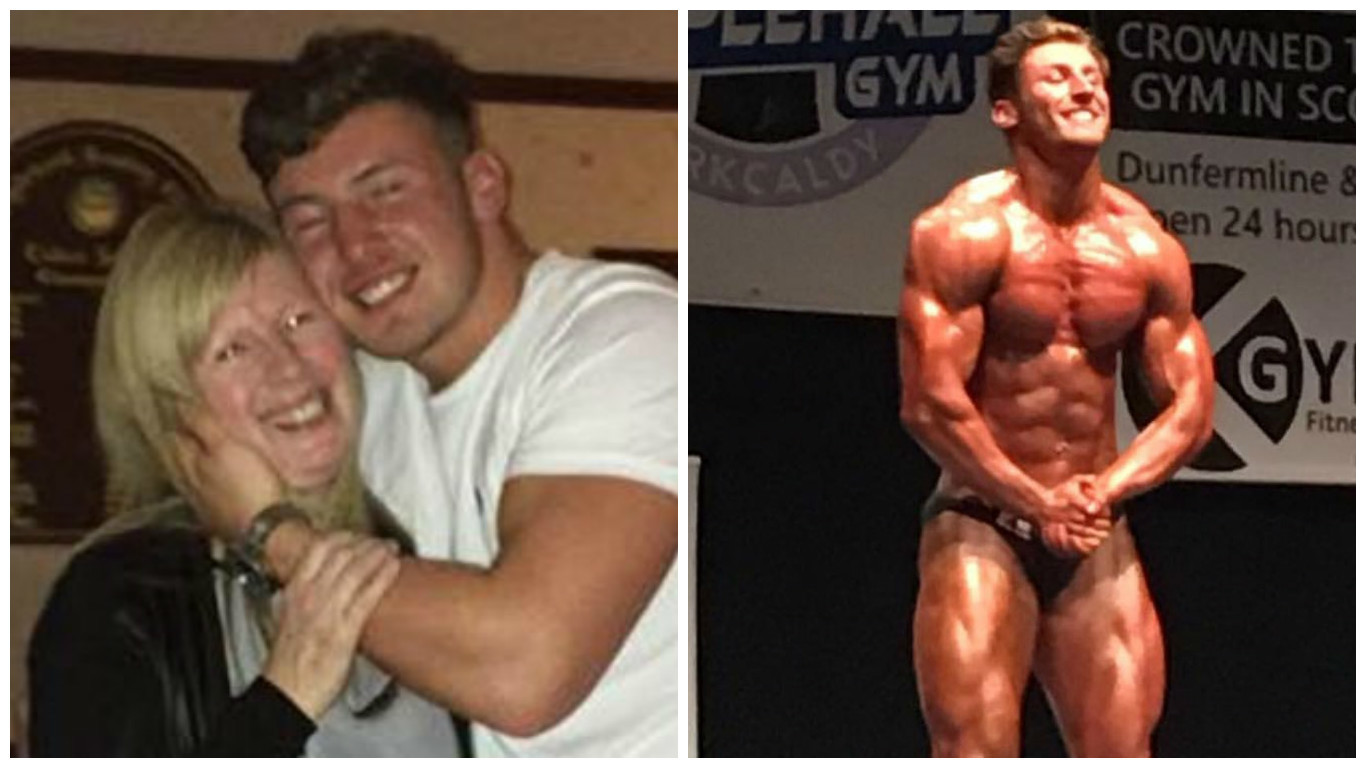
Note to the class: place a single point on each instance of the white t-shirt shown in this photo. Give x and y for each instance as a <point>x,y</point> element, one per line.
<point>583,379</point>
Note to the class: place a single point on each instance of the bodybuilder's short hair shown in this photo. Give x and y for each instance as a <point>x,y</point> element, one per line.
<point>1003,63</point>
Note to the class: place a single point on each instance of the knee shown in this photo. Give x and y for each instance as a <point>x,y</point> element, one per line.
<point>983,737</point>
<point>982,723</point>
<point>1114,738</point>
<point>1122,728</point>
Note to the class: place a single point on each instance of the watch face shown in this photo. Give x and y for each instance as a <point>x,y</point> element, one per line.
<point>257,584</point>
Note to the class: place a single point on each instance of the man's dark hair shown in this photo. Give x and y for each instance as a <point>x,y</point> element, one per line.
<point>338,72</point>
<point>1003,63</point>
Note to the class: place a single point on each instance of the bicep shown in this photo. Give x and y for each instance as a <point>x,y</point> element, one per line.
<point>588,517</point>
<point>584,531</point>
<point>941,319</point>
<point>937,343</point>
<point>1174,348</point>
<point>585,555</point>
<point>1175,354</point>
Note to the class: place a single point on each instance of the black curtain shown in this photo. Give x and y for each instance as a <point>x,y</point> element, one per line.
<point>806,567</point>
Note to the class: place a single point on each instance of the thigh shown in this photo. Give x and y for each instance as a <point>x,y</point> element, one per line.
<point>1100,657</point>
<point>975,621</point>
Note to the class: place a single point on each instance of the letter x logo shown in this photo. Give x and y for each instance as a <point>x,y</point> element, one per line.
<point>1260,367</point>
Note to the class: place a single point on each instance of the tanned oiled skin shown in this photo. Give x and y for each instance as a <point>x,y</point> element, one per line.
<point>1023,289</point>
<point>1034,319</point>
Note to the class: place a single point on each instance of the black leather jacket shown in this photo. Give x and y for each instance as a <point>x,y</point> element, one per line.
<point>128,659</point>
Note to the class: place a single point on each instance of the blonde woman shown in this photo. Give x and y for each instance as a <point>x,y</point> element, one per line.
<point>162,639</point>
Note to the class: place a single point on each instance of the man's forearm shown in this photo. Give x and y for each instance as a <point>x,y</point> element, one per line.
<point>445,631</point>
<point>475,651</point>
<point>957,438</point>
<point>1163,447</point>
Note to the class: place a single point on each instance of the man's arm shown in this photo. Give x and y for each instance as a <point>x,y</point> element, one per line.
<point>1177,361</point>
<point>519,645</point>
<point>952,264</point>
<point>586,531</point>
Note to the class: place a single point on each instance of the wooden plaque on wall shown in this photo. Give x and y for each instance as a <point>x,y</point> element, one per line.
<point>75,190</point>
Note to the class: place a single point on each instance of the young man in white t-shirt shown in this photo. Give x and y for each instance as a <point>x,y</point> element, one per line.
<point>521,411</point>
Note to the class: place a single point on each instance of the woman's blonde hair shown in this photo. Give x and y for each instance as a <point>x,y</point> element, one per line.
<point>174,271</point>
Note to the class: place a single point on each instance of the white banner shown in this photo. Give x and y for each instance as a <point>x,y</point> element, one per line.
<point>816,136</point>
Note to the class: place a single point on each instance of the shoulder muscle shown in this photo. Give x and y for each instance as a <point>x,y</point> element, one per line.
<point>956,250</point>
<point>1168,266</point>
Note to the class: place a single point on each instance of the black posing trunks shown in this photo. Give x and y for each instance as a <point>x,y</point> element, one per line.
<point>1048,573</point>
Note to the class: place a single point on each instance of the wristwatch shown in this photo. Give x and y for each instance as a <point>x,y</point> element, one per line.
<point>250,547</point>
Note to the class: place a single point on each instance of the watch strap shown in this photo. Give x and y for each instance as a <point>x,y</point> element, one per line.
<point>250,547</point>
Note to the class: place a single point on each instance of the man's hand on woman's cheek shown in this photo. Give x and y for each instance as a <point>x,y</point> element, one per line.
<point>227,481</point>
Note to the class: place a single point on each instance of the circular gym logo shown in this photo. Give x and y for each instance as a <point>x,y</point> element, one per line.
<point>792,107</point>
<point>1260,367</point>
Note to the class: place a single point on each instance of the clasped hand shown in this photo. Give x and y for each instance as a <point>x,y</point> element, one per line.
<point>339,579</point>
<point>1075,518</point>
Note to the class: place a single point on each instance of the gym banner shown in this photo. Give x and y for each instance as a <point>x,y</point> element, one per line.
<point>816,136</point>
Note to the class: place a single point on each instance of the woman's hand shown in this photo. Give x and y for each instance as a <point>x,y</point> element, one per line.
<point>339,581</point>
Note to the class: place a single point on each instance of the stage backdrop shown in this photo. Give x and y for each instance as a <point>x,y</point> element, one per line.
<point>816,136</point>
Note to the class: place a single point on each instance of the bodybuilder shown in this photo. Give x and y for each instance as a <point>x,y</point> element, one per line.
<point>1022,289</point>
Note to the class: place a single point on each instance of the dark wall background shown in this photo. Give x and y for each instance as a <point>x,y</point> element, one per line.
<point>806,567</point>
